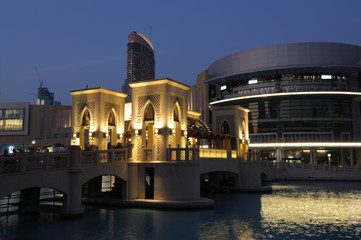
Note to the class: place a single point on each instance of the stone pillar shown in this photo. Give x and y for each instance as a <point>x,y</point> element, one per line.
<point>279,154</point>
<point>314,153</point>
<point>351,157</point>
<point>342,157</point>
<point>72,205</point>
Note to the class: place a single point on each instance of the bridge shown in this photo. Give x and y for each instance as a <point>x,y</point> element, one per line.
<point>178,178</point>
<point>68,172</point>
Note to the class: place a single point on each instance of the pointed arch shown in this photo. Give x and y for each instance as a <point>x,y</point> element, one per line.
<point>85,116</point>
<point>177,112</point>
<point>112,118</point>
<point>148,114</point>
<point>225,127</point>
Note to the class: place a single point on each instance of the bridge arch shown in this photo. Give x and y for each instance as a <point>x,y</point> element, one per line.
<point>103,185</point>
<point>214,165</point>
<point>26,181</point>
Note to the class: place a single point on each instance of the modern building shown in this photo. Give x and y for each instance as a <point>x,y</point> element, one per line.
<point>304,99</point>
<point>45,97</point>
<point>140,60</point>
<point>22,125</point>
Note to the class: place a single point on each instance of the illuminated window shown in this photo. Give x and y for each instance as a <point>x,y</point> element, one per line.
<point>86,118</point>
<point>11,119</point>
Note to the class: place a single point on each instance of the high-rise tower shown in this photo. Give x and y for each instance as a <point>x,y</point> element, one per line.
<point>140,60</point>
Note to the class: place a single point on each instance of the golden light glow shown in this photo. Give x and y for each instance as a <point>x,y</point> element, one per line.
<point>159,82</point>
<point>308,144</point>
<point>305,209</point>
<point>286,94</point>
<point>98,90</point>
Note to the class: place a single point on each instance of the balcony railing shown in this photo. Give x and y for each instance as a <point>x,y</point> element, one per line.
<point>102,156</point>
<point>34,163</point>
<point>283,165</point>
<point>217,153</point>
<point>182,154</point>
<point>283,87</point>
<point>148,154</point>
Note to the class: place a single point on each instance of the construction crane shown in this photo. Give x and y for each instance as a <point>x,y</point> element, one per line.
<point>37,72</point>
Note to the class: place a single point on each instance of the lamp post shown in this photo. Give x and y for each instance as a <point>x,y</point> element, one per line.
<point>329,159</point>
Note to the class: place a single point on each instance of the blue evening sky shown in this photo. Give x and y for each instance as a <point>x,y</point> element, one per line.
<point>76,43</point>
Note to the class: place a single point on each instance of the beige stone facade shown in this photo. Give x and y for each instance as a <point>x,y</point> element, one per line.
<point>98,118</point>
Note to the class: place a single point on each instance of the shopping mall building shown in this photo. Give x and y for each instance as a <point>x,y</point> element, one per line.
<point>304,99</point>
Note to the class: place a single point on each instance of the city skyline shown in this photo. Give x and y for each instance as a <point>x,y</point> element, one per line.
<point>74,45</point>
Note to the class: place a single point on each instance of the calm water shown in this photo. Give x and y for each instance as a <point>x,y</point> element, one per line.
<point>295,210</point>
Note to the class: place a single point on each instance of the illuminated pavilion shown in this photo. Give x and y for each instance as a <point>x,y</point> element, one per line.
<point>163,139</point>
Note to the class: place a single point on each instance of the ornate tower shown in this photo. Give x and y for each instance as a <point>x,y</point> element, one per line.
<point>159,118</point>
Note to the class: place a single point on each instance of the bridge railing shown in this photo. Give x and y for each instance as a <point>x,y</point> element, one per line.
<point>190,154</point>
<point>182,154</point>
<point>148,154</point>
<point>102,156</point>
<point>311,166</point>
<point>33,163</point>
<point>217,153</point>
<point>55,161</point>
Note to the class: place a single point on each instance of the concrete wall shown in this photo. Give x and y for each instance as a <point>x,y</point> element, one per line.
<point>293,173</point>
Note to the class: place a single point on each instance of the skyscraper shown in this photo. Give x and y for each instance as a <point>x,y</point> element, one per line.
<point>140,60</point>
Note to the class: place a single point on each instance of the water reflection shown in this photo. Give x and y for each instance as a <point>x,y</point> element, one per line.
<point>295,210</point>
<point>312,210</point>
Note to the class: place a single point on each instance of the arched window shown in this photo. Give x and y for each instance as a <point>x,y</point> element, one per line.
<point>225,129</point>
<point>111,119</point>
<point>86,118</point>
<point>149,113</point>
<point>176,114</point>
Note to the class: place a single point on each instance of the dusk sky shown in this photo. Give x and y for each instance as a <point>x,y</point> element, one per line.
<point>79,43</point>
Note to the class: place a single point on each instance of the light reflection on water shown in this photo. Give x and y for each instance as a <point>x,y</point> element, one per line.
<point>295,210</point>
<point>313,209</point>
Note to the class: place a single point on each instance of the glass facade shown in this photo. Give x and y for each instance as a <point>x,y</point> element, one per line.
<point>11,119</point>
<point>294,118</point>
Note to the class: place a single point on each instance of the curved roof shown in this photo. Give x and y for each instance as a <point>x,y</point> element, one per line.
<point>140,38</point>
<point>313,57</point>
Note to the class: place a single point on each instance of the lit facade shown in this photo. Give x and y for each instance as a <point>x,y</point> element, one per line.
<point>98,118</point>
<point>22,125</point>
<point>165,140</point>
<point>304,99</point>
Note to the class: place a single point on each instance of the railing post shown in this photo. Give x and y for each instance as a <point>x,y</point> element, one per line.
<point>74,156</point>
<point>23,164</point>
<point>168,156</point>
<point>112,155</point>
<point>177,158</point>
<point>96,157</point>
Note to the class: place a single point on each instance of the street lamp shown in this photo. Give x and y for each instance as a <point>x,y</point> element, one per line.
<point>329,159</point>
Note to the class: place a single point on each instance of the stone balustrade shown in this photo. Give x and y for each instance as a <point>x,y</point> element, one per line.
<point>284,165</point>
<point>56,161</point>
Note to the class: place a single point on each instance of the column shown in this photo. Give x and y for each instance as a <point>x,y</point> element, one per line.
<point>72,205</point>
<point>351,157</point>
<point>342,157</point>
<point>279,154</point>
